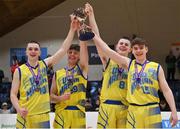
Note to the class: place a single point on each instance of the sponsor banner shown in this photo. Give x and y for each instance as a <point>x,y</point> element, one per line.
<point>166,124</point>
<point>7,121</point>
<point>94,58</point>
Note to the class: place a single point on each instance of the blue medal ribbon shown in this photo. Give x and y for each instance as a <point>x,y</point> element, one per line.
<point>36,77</point>
<point>120,70</point>
<point>70,75</point>
<point>138,75</point>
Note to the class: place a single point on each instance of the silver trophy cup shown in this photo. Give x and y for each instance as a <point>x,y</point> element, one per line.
<point>85,33</point>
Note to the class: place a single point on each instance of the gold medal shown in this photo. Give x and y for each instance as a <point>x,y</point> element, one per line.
<point>138,87</point>
<point>120,77</point>
<point>37,89</point>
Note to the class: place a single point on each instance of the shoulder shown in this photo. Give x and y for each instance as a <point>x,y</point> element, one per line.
<point>22,66</point>
<point>60,71</point>
<point>153,63</point>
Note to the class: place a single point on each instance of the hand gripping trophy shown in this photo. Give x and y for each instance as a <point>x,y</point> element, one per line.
<point>85,33</point>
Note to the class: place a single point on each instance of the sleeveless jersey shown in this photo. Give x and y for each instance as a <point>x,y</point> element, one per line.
<point>34,97</point>
<point>77,88</point>
<point>114,86</point>
<point>145,91</point>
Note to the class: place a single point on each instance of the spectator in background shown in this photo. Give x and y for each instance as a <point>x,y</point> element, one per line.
<point>171,66</point>
<point>1,75</point>
<point>14,65</point>
<point>5,109</point>
<point>88,104</point>
<point>94,92</point>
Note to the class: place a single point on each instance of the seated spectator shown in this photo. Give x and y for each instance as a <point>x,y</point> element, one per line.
<point>88,104</point>
<point>5,109</point>
<point>97,104</point>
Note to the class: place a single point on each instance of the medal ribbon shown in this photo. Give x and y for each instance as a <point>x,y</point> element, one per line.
<point>121,70</point>
<point>36,77</point>
<point>137,75</point>
<point>70,77</point>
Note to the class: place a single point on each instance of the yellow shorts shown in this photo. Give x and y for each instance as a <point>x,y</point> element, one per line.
<point>112,116</point>
<point>35,121</point>
<point>144,117</point>
<point>70,117</point>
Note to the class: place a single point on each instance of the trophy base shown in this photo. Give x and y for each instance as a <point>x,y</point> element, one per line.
<point>86,36</point>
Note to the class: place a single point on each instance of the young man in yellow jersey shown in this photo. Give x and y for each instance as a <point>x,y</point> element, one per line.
<point>113,103</point>
<point>145,78</point>
<point>30,80</point>
<point>68,89</point>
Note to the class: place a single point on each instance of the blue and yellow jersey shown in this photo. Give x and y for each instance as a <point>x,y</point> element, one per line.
<point>32,96</point>
<point>114,86</point>
<point>77,89</point>
<point>147,90</point>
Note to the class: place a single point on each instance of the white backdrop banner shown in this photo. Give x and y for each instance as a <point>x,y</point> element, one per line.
<point>9,120</point>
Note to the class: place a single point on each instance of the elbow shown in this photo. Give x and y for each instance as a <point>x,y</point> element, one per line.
<point>12,95</point>
<point>51,97</point>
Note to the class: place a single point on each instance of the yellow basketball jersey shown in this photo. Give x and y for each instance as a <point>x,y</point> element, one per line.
<point>77,89</point>
<point>114,86</point>
<point>32,96</point>
<point>146,91</point>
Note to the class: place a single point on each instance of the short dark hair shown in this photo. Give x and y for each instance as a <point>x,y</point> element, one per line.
<point>33,41</point>
<point>125,37</point>
<point>138,41</point>
<point>75,47</point>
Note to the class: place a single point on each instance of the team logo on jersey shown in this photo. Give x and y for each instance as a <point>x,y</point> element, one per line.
<point>152,73</point>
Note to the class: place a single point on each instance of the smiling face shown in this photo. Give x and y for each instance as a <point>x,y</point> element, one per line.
<point>73,55</point>
<point>123,47</point>
<point>33,51</point>
<point>139,49</point>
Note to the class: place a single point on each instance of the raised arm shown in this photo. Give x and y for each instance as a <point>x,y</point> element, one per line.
<point>13,95</point>
<point>121,60</point>
<point>169,96</point>
<point>84,58</point>
<point>92,22</point>
<point>66,44</point>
